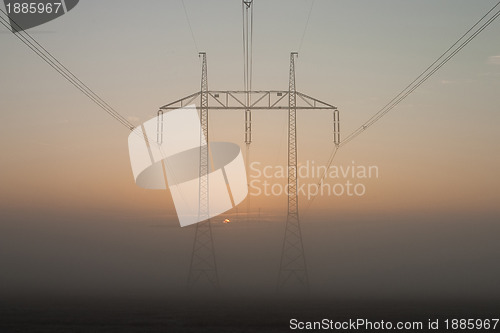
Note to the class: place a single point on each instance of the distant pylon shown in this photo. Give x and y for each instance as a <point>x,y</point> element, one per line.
<point>293,268</point>
<point>247,8</point>
<point>203,268</point>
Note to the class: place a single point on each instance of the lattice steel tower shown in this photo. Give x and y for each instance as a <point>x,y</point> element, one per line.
<point>203,268</point>
<point>293,268</point>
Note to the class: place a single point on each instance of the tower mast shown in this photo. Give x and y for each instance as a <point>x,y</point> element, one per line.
<point>203,268</point>
<point>293,268</point>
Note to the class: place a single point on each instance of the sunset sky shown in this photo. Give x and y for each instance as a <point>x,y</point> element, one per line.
<point>72,219</point>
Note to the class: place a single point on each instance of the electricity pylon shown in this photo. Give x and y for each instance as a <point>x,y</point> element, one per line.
<point>247,7</point>
<point>203,264</point>
<point>293,269</point>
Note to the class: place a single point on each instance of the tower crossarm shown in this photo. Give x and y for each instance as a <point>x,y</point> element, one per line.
<point>261,100</point>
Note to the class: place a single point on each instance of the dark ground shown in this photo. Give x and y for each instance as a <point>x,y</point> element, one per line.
<point>120,314</point>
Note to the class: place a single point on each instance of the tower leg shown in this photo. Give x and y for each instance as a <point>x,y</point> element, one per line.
<point>203,269</point>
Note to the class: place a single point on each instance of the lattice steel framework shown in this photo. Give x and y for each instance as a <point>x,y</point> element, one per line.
<point>203,263</point>
<point>293,269</point>
<point>261,100</point>
<point>204,158</point>
<point>247,6</point>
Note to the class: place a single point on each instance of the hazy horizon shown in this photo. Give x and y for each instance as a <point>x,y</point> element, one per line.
<point>73,222</point>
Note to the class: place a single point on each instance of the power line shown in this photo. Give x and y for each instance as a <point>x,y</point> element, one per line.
<point>247,13</point>
<point>190,27</point>
<point>330,161</point>
<point>247,31</point>
<point>244,47</point>
<point>305,27</point>
<point>251,47</point>
<point>247,16</point>
<point>48,58</point>
<point>427,73</point>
